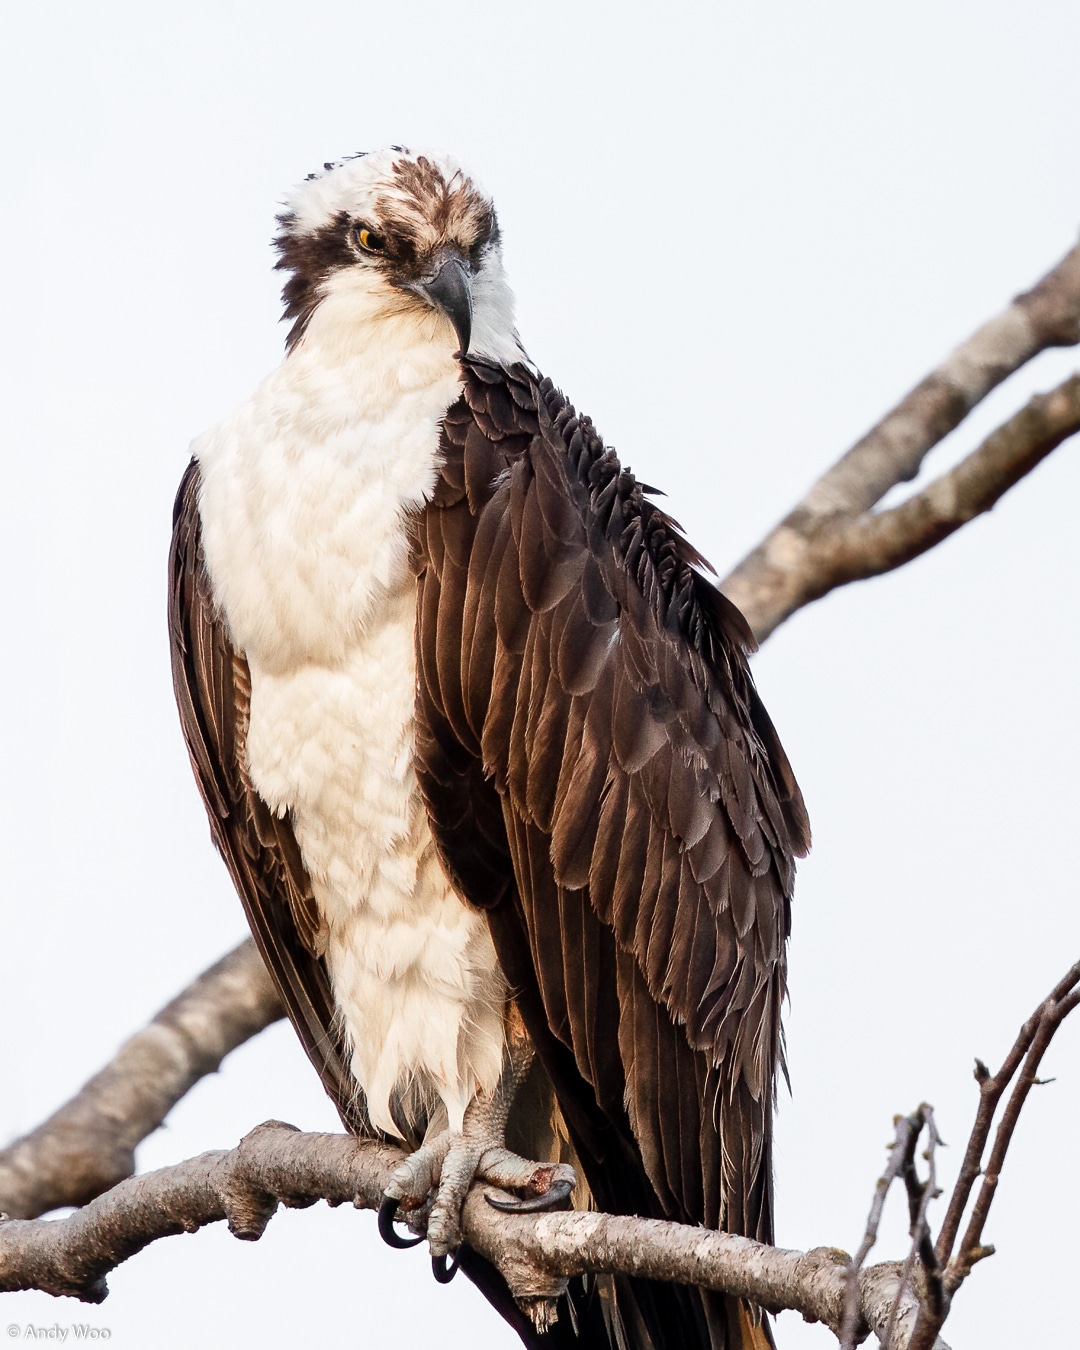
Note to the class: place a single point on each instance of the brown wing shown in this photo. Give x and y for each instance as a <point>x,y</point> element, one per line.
<point>603,778</point>
<point>213,690</point>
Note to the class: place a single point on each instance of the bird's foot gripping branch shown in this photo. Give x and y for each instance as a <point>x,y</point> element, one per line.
<point>903,1303</point>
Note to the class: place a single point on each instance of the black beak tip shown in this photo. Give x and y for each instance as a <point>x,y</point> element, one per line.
<point>450,290</point>
<point>463,326</point>
<point>460,316</point>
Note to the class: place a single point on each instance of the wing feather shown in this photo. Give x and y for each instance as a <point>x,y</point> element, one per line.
<point>213,694</point>
<point>649,810</point>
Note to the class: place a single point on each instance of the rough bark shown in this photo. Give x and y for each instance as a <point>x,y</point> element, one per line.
<point>804,563</point>
<point>89,1144</point>
<point>276,1164</point>
<point>831,537</point>
<point>904,1304</point>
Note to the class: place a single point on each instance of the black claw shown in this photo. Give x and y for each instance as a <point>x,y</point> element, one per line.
<point>389,1234</point>
<point>554,1195</point>
<point>445,1273</point>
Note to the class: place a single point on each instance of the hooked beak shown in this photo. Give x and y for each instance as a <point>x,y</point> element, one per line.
<point>450,290</point>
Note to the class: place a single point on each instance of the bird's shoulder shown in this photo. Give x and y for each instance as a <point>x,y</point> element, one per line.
<point>514,445</point>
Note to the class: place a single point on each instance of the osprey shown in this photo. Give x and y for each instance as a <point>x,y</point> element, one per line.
<point>480,747</point>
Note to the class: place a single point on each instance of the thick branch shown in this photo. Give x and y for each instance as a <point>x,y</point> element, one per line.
<point>811,1283</point>
<point>893,451</point>
<point>832,551</point>
<point>785,572</point>
<point>827,540</point>
<point>89,1144</point>
<point>536,1253</point>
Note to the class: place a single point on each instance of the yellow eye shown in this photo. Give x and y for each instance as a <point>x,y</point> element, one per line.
<point>368,240</point>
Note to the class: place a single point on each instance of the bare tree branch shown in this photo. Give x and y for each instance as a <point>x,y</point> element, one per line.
<point>831,537</point>
<point>276,1164</point>
<point>828,539</point>
<point>817,545</point>
<point>832,551</point>
<point>89,1144</point>
<point>1028,1050</point>
<point>901,1154</point>
<point>536,1253</point>
<point>920,1193</point>
<point>893,451</point>
<point>971,1248</point>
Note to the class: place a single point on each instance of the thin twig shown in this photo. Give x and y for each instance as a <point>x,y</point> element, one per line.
<point>1028,1050</point>
<point>971,1248</point>
<point>919,1194</point>
<point>901,1153</point>
<point>935,1288</point>
<point>991,1088</point>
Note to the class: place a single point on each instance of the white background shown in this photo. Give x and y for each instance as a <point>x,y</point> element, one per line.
<point>737,233</point>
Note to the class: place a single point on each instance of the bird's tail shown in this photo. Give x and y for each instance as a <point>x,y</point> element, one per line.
<point>605,1312</point>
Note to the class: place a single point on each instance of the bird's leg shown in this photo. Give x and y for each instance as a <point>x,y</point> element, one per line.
<point>448,1162</point>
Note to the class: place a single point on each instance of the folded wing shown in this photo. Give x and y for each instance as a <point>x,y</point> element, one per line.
<point>603,779</point>
<point>213,693</point>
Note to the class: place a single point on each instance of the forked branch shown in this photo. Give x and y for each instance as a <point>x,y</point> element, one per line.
<point>833,551</point>
<point>931,1274</point>
<point>905,1305</point>
<point>1025,1056</point>
<point>830,538</point>
<point>536,1253</point>
<point>833,537</point>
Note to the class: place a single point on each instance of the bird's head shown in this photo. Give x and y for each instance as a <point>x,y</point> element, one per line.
<point>397,235</point>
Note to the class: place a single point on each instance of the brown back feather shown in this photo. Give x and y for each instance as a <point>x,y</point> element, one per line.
<point>581,683</point>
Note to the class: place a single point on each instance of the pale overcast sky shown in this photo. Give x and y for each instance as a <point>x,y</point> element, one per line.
<point>737,233</point>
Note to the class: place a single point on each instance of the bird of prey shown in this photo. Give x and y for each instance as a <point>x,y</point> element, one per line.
<point>480,747</point>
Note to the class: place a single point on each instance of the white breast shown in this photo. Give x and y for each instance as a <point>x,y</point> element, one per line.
<point>305,493</point>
